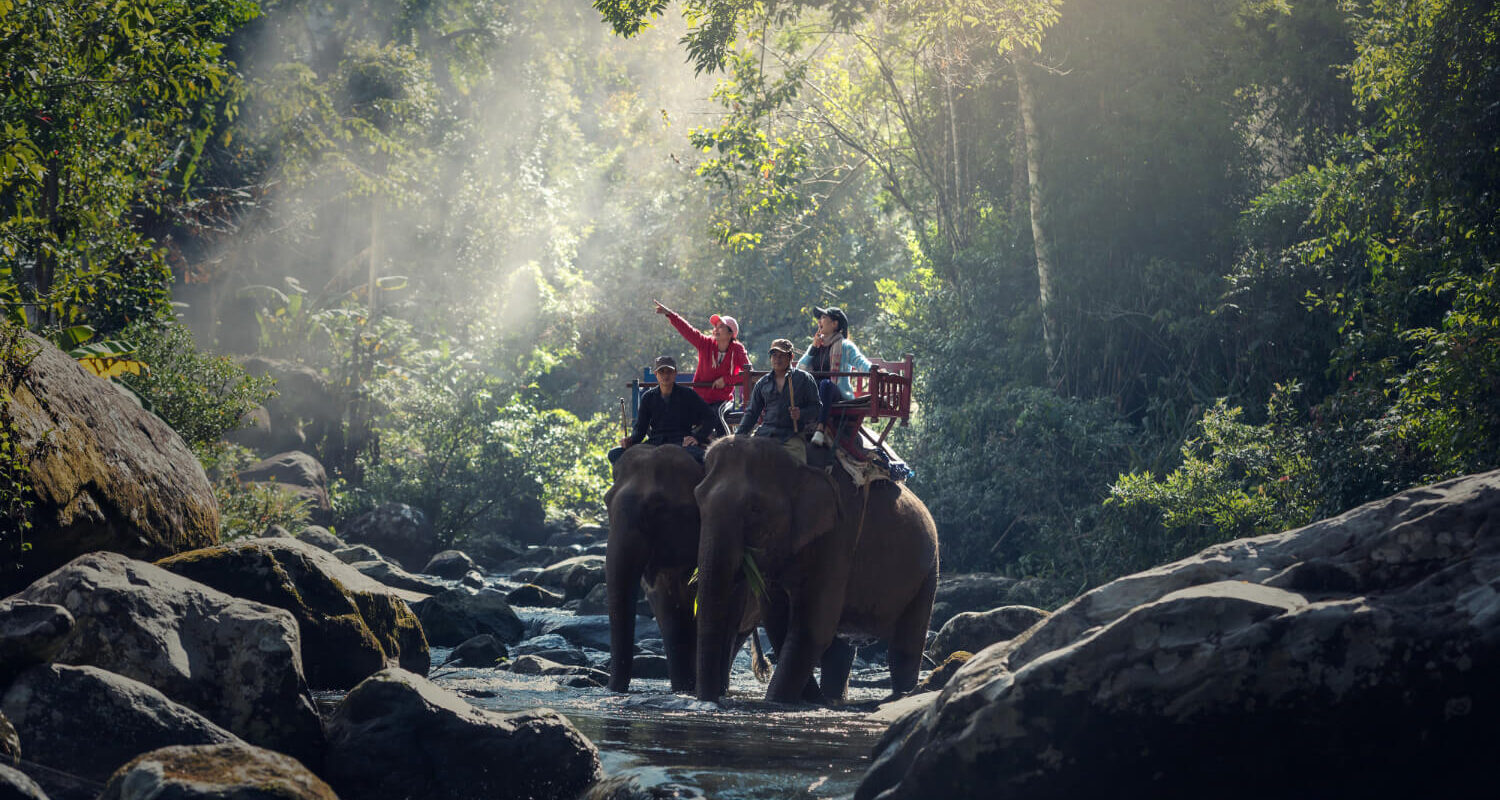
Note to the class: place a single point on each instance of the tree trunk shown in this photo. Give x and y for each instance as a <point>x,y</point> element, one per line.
<point>1042,245</point>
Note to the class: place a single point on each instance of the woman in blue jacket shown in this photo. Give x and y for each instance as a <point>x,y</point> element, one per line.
<point>832,351</point>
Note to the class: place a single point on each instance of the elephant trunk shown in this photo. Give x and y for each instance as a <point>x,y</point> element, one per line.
<point>718,621</point>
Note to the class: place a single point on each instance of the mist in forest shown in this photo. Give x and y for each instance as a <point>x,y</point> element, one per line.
<point>483,179</point>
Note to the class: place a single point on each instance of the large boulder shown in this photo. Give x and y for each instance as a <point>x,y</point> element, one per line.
<point>30,633</point>
<point>105,474</point>
<point>461,613</point>
<point>352,626</point>
<point>397,736</point>
<point>299,474</point>
<point>975,630</point>
<point>235,661</point>
<point>215,772</point>
<point>1353,657</point>
<point>88,722</point>
<point>574,577</point>
<point>400,532</point>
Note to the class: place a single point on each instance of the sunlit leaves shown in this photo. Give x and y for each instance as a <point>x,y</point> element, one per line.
<point>97,103</point>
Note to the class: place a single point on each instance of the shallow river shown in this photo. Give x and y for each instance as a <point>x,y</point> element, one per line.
<point>747,749</point>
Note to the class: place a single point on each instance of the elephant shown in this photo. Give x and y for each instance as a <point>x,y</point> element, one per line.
<point>835,560</point>
<point>653,539</point>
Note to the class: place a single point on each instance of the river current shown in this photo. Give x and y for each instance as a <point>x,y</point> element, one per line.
<point>744,749</point>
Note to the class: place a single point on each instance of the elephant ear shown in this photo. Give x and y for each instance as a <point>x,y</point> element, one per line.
<point>816,510</point>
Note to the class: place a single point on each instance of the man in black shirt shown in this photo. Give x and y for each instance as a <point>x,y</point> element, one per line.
<point>669,416</point>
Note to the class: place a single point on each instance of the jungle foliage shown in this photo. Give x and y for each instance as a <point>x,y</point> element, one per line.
<point>1174,271</point>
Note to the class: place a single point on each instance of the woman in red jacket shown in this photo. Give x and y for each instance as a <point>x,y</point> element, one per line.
<point>721,357</point>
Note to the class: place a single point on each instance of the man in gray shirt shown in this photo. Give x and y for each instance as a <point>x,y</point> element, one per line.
<point>785,403</point>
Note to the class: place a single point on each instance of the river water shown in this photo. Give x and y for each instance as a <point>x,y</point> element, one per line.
<point>746,749</point>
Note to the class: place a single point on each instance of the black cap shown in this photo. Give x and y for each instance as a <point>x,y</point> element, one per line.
<point>836,313</point>
<point>665,362</point>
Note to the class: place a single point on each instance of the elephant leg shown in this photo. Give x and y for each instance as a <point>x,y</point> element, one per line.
<point>909,638</point>
<point>810,628</point>
<point>622,574</point>
<point>834,669</point>
<point>673,606</point>
<point>776,624</point>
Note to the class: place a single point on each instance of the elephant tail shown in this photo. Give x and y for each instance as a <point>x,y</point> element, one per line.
<point>759,664</point>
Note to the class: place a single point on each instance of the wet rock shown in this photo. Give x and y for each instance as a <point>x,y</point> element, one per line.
<point>596,602</point>
<point>398,736</point>
<point>590,681</point>
<point>473,580</point>
<point>483,650</point>
<point>299,474</point>
<point>574,577</point>
<point>977,591</point>
<point>235,661</point>
<point>17,785</point>
<point>594,533</point>
<point>355,553</point>
<point>454,615</point>
<point>1355,655</point>
<point>64,710</point>
<point>110,475</point>
<point>276,532</point>
<point>532,596</point>
<point>352,626</point>
<point>525,574</point>
<point>215,772</point>
<point>975,630</point>
<point>649,667</point>
<point>320,537</point>
<point>940,676</point>
<point>596,549</point>
<point>593,632</point>
<point>536,665</point>
<point>397,578</point>
<point>568,656</point>
<point>401,533</point>
<point>30,633</point>
<point>450,564</point>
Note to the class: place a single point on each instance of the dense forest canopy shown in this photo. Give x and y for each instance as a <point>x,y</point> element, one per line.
<point>1174,271</point>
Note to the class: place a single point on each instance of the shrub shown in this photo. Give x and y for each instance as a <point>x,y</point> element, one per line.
<point>1236,479</point>
<point>201,396</point>
<point>1046,462</point>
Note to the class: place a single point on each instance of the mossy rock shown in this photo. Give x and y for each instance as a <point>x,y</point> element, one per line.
<point>105,474</point>
<point>352,626</point>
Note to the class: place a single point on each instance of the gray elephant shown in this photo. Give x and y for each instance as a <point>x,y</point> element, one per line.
<point>653,540</point>
<point>836,559</point>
